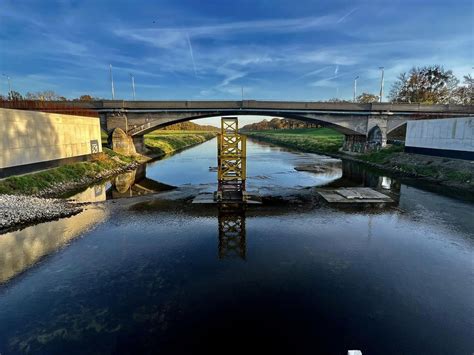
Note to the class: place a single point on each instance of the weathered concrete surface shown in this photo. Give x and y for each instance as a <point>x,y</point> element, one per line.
<point>450,133</point>
<point>353,195</point>
<point>122,143</point>
<point>29,137</point>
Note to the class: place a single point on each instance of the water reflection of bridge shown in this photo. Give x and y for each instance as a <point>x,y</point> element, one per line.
<point>128,184</point>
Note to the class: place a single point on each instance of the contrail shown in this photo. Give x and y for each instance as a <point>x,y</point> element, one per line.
<point>314,72</point>
<point>192,54</point>
<point>346,15</point>
<point>336,70</point>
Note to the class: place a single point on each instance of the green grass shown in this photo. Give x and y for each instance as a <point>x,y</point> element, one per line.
<point>383,155</point>
<point>34,183</point>
<point>166,142</point>
<point>313,140</point>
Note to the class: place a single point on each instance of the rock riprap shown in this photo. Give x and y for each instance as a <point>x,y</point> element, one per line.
<point>16,210</point>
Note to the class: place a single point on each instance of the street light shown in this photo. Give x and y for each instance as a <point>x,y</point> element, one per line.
<point>9,84</point>
<point>381,84</point>
<point>133,85</point>
<point>355,87</point>
<point>112,83</point>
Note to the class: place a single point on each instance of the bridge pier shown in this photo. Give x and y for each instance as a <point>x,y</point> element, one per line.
<point>139,143</point>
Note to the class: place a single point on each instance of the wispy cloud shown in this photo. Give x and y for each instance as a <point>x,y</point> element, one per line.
<point>167,37</point>
<point>191,54</point>
<point>343,18</point>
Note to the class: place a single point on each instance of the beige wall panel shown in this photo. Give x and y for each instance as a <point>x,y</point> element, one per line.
<point>29,137</point>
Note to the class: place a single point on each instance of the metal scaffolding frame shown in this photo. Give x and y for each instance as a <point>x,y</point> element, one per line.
<point>231,161</point>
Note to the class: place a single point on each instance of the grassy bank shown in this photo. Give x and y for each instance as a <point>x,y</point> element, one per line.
<point>166,142</point>
<point>313,140</point>
<point>444,170</point>
<point>35,183</point>
<point>453,172</point>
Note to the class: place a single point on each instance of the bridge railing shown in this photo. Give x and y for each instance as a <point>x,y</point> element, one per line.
<point>48,106</point>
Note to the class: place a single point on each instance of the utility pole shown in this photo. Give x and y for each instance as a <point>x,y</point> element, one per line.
<point>112,83</point>
<point>133,86</point>
<point>242,90</point>
<point>9,84</point>
<point>355,87</point>
<point>381,84</point>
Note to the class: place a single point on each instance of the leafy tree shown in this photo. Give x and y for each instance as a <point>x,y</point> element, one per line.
<point>14,96</point>
<point>367,98</point>
<point>430,85</point>
<point>84,98</point>
<point>335,99</point>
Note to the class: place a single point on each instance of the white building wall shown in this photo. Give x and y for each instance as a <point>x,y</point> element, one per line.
<point>445,134</point>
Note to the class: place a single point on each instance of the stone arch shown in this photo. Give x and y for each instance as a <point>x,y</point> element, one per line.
<point>375,136</point>
<point>342,125</point>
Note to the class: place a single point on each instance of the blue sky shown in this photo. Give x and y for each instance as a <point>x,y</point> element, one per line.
<point>183,49</point>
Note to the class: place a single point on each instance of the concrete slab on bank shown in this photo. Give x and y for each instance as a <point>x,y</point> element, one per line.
<point>353,195</point>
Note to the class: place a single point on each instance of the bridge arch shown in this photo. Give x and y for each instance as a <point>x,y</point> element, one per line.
<point>347,125</point>
<point>375,135</point>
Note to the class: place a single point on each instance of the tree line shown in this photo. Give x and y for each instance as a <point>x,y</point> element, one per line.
<point>277,123</point>
<point>426,85</point>
<point>46,95</point>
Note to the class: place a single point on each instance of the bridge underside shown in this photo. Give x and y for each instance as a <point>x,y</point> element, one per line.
<point>362,131</point>
<point>355,127</point>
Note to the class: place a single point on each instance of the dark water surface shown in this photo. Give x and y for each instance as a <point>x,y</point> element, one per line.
<point>320,280</point>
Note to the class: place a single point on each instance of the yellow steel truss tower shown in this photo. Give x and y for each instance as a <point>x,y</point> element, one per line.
<point>231,161</point>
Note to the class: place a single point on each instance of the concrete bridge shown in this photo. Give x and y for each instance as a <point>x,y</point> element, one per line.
<point>359,122</point>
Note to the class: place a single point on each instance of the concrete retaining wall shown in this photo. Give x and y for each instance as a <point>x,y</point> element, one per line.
<point>450,137</point>
<point>30,137</point>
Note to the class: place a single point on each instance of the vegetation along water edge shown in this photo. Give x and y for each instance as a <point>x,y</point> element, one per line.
<point>455,173</point>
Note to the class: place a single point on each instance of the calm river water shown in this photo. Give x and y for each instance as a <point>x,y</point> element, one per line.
<point>125,277</point>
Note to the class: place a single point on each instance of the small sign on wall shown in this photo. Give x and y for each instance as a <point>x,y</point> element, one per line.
<point>94,146</point>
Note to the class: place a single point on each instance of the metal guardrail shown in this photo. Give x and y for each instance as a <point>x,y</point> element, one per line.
<point>48,106</point>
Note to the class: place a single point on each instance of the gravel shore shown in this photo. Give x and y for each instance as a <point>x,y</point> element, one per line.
<point>16,210</point>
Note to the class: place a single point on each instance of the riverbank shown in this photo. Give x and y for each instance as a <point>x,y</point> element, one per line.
<point>454,173</point>
<point>57,181</point>
<point>17,211</point>
<point>164,142</point>
<point>27,199</point>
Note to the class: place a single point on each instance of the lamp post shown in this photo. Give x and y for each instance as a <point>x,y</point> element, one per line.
<point>112,83</point>
<point>381,83</point>
<point>9,84</point>
<point>355,87</point>
<point>133,86</point>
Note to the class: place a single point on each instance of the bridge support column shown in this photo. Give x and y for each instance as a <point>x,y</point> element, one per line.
<point>354,143</point>
<point>377,128</point>
<point>121,142</point>
<point>139,143</point>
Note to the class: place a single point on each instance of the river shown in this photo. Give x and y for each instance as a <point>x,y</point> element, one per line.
<point>146,275</point>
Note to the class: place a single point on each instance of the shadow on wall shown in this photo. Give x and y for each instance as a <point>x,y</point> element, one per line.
<point>29,138</point>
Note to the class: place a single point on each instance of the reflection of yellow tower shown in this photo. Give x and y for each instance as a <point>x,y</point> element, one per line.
<point>232,231</point>
<point>231,161</point>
